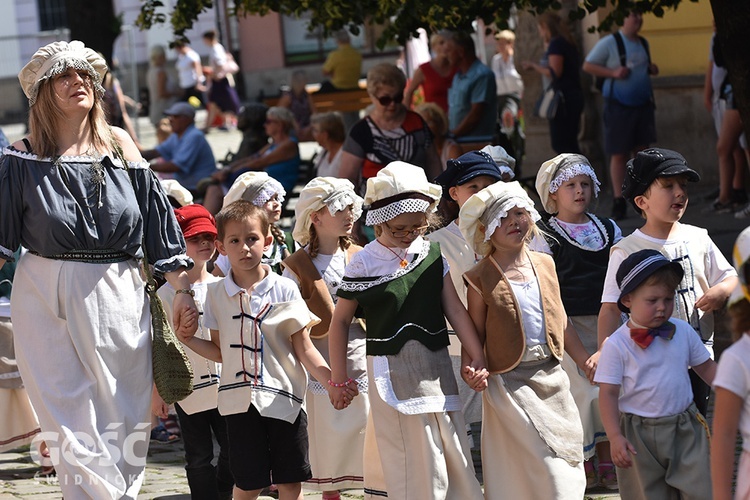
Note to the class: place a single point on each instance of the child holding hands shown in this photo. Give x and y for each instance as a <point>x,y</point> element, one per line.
<point>732,389</point>
<point>402,283</point>
<point>259,332</point>
<point>325,214</point>
<point>198,416</point>
<point>531,432</point>
<point>580,243</point>
<point>659,441</point>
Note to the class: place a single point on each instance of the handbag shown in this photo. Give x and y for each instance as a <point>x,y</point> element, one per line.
<point>549,103</point>
<point>173,372</point>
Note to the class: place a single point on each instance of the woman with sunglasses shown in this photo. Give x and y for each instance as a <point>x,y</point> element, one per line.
<point>279,159</point>
<point>389,133</point>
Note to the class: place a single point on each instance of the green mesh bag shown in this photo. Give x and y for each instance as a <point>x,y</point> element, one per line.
<point>173,373</point>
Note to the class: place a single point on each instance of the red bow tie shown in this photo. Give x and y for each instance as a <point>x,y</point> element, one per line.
<point>644,336</point>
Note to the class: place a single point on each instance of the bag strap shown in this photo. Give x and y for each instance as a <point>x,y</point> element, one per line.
<point>623,55</point>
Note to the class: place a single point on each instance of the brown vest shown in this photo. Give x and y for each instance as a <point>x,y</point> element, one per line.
<point>313,289</point>
<point>505,341</point>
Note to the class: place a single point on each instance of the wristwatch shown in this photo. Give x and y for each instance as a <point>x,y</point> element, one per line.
<point>187,291</point>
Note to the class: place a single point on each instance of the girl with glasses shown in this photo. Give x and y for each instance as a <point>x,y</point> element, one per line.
<point>402,284</point>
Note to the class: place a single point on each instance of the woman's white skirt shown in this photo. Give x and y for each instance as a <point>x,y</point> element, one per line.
<point>83,344</point>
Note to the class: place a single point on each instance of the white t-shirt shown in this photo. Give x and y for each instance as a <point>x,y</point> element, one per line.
<point>186,74</point>
<point>733,374</point>
<point>654,381</point>
<point>327,166</point>
<point>704,264</point>
<point>507,79</point>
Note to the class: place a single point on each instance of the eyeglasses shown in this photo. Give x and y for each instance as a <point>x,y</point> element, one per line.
<point>403,234</point>
<point>386,100</point>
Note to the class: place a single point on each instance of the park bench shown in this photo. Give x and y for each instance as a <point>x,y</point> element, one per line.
<point>343,101</point>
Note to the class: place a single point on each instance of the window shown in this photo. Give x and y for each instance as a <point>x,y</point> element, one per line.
<point>302,46</point>
<point>51,15</point>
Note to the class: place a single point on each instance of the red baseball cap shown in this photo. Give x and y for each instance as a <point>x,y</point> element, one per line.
<point>195,219</point>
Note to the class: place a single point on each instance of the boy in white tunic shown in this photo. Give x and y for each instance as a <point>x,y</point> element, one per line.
<point>259,331</point>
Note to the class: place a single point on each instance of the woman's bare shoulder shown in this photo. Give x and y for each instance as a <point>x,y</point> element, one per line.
<point>129,149</point>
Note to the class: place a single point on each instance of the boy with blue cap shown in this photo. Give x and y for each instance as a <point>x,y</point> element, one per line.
<point>659,441</point>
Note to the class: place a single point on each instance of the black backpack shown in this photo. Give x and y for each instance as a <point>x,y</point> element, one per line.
<point>599,80</point>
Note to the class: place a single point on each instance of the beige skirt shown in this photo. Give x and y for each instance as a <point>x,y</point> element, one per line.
<point>423,455</point>
<point>516,462</point>
<point>18,421</point>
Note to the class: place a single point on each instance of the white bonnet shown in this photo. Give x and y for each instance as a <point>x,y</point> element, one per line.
<point>553,173</point>
<point>488,207</point>
<point>505,161</point>
<point>255,187</point>
<point>177,191</point>
<point>54,59</point>
<point>396,180</point>
<point>331,192</point>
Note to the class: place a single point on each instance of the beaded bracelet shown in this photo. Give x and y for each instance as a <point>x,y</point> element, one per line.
<point>343,384</point>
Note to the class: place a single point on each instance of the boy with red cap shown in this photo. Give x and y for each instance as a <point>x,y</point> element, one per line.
<point>198,412</point>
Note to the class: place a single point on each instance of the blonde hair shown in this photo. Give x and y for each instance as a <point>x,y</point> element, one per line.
<point>506,35</point>
<point>385,74</point>
<point>485,248</point>
<point>46,118</point>
<point>432,113</point>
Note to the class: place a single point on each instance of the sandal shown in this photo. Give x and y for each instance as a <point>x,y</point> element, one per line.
<point>46,469</point>
<point>588,468</point>
<point>160,434</point>
<point>608,476</point>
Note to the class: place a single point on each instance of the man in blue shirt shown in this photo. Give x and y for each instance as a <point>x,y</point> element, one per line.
<point>629,122</point>
<point>186,153</point>
<point>472,98</point>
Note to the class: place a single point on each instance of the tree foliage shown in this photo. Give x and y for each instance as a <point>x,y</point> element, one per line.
<point>402,18</point>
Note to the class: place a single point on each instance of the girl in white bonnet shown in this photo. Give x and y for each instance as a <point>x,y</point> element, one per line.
<point>531,436</point>
<point>580,242</point>
<point>402,283</point>
<point>325,214</point>
<point>263,191</point>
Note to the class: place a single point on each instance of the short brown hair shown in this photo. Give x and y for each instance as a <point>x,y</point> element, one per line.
<point>331,123</point>
<point>239,211</point>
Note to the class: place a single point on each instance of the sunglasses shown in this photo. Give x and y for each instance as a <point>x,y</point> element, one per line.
<point>386,100</point>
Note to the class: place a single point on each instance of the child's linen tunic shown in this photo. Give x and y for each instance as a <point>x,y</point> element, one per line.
<point>259,366</point>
